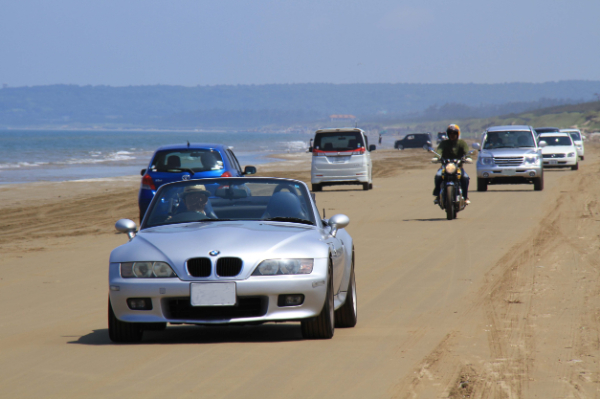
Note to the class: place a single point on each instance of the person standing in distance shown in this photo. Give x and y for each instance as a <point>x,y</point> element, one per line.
<point>453,148</point>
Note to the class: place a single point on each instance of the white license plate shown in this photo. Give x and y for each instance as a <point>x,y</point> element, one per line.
<point>509,172</point>
<point>553,162</point>
<point>213,294</point>
<point>339,160</point>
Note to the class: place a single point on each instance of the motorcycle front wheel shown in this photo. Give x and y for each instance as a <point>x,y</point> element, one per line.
<point>449,205</point>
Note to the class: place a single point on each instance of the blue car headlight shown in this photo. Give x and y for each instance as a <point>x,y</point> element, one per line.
<point>486,160</point>
<point>271,267</point>
<point>146,270</point>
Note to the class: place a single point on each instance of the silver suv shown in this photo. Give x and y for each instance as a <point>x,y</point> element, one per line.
<point>510,155</point>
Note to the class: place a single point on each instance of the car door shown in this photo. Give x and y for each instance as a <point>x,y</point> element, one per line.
<point>235,163</point>
<point>336,247</point>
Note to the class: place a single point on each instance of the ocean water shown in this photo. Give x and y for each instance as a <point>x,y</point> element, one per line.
<point>54,155</point>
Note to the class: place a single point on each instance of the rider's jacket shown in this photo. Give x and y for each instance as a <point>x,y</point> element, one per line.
<point>449,149</point>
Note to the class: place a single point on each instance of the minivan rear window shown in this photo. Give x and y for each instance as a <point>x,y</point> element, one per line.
<point>338,141</point>
<point>202,160</point>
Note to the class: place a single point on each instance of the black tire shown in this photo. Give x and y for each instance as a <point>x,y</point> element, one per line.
<point>322,326</point>
<point>538,183</point>
<point>365,186</point>
<point>317,187</point>
<point>154,326</point>
<point>347,315</point>
<point>582,157</point>
<point>482,184</point>
<point>400,147</point>
<point>449,205</point>
<point>370,186</point>
<point>120,331</point>
<point>576,167</point>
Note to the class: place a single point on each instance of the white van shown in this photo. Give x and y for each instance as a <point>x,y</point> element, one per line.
<point>341,156</point>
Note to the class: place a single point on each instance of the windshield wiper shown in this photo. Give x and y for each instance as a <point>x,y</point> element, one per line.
<point>288,219</point>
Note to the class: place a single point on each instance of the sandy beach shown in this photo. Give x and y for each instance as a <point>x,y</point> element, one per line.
<point>500,303</point>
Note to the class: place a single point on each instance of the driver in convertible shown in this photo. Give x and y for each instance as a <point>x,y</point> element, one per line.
<point>453,148</point>
<point>195,205</point>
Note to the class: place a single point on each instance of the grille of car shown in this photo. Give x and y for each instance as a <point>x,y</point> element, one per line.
<point>229,267</point>
<point>508,161</point>
<point>199,267</point>
<point>553,155</point>
<point>181,309</point>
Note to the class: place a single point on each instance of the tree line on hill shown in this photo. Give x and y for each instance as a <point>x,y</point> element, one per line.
<point>252,106</point>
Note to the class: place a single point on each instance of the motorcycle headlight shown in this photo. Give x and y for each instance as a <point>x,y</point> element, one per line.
<point>570,155</point>
<point>533,159</point>
<point>270,267</point>
<point>450,168</point>
<point>146,270</point>
<point>486,160</point>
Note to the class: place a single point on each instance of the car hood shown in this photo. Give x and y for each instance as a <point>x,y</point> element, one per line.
<point>508,152</point>
<point>252,241</point>
<point>557,149</point>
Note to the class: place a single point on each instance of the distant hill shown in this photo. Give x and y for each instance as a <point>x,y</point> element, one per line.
<point>584,116</point>
<point>253,106</point>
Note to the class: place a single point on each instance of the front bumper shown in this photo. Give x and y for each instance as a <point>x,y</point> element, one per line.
<point>257,298</point>
<point>560,162</point>
<point>524,172</point>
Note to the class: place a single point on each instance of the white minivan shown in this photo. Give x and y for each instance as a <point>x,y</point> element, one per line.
<point>341,156</point>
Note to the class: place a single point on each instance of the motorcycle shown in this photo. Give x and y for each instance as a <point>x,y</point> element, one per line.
<point>450,197</point>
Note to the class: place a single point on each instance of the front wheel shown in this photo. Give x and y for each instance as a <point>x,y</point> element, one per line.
<point>576,167</point>
<point>347,315</point>
<point>120,331</point>
<point>538,183</point>
<point>450,211</point>
<point>322,326</point>
<point>482,184</point>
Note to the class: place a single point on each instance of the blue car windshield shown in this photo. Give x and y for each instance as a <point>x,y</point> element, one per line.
<point>206,200</point>
<point>198,160</point>
<point>508,139</point>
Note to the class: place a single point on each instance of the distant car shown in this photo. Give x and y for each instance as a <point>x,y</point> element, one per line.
<point>265,255</point>
<point>413,140</point>
<point>540,130</point>
<point>560,151</point>
<point>184,162</point>
<point>341,156</point>
<point>577,140</point>
<point>509,155</point>
<point>441,137</point>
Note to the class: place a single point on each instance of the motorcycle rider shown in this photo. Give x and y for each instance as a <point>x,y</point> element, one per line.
<point>453,148</point>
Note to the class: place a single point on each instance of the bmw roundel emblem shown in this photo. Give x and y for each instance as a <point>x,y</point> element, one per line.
<point>185,177</point>
<point>214,253</point>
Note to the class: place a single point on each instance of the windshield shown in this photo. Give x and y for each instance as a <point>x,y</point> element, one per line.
<point>557,140</point>
<point>338,141</point>
<point>508,139</point>
<point>575,136</point>
<point>202,160</point>
<point>209,200</point>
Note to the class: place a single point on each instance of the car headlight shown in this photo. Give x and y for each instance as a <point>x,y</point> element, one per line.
<point>533,159</point>
<point>146,270</point>
<point>271,267</point>
<point>486,160</point>
<point>570,155</point>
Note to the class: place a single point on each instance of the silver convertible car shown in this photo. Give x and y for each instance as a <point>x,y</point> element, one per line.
<point>232,250</point>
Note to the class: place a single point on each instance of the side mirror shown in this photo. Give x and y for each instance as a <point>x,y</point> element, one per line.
<point>582,138</point>
<point>337,222</point>
<point>372,147</point>
<point>542,144</point>
<point>143,172</point>
<point>471,152</point>
<point>126,226</point>
<point>476,146</point>
<point>310,149</point>
<point>468,160</point>
<point>435,160</point>
<point>249,170</point>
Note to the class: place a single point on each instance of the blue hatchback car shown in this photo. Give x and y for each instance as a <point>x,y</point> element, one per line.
<point>178,162</point>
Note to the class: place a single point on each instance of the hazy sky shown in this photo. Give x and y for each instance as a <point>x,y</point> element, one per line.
<point>197,42</point>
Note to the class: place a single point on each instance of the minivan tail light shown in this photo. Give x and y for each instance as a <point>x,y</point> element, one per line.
<point>226,174</point>
<point>360,151</point>
<point>148,183</point>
